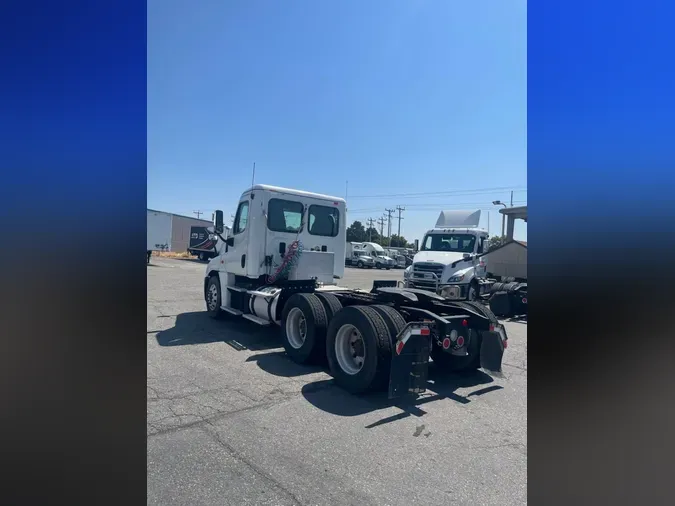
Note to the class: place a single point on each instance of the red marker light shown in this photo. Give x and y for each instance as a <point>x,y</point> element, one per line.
<point>446,343</point>
<point>506,343</point>
<point>492,327</point>
<point>524,300</point>
<point>425,331</point>
<point>460,341</point>
<point>465,323</point>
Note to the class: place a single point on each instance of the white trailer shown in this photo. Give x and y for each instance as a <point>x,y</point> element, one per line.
<point>158,232</point>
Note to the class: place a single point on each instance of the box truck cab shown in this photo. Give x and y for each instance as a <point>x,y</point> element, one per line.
<point>449,261</point>
<point>382,261</point>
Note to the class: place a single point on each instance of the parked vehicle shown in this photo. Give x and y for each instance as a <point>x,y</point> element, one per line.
<point>202,243</point>
<point>450,260</point>
<point>382,261</point>
<point>279,267</point>
<point>158,232</point>
<point>357,257</point>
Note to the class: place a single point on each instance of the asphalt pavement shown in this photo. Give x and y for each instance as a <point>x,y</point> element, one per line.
<point>232,421</point>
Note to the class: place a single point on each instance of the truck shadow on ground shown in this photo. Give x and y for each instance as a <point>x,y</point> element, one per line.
<point>198,328</point>
<point>327,396</point>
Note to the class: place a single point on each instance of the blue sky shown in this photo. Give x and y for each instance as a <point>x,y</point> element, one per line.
<point>398,97</point>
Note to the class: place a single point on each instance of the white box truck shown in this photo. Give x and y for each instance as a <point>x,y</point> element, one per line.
<point>158,232</point>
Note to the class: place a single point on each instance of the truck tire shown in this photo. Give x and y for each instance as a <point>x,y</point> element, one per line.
<point>395,322</point>
<point>331,304</point>
<point>359,264</point>
<point>303,328</point>
<point>359,332</point>
<point>378,265</point>
<point>213,298</point>
<point>452,363</point>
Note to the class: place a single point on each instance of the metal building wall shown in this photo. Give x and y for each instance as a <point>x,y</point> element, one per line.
<point>180,231</point>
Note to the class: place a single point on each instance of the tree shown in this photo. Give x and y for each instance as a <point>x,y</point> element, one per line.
<point>356,232</point>
<point>372,232</point>
<point>398,241</point>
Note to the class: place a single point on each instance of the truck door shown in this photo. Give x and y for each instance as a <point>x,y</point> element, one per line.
<point>235,257</point>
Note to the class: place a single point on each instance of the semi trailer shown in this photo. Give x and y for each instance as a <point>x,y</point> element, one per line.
<point>158,232</point>
<point>281,265</point>
<point>202,243</point>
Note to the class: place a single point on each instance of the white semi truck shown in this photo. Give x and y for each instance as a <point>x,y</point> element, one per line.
<point>449,261</point>
<point>279,266</point>
<point>382,260</point>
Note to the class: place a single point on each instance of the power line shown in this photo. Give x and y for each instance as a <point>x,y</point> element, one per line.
<point>399,209</point>
<point>474,191</point>
<point>370,229</point>
<point>380,222</point>
<point>436,206</point>
<point>389,213</point>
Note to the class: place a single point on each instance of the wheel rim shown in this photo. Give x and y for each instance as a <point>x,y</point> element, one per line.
<point>213,297</point>
<point>350,349</point>
<point>296,328</point>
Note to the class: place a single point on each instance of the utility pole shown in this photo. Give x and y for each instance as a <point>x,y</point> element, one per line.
<point>389,213</point>
<point>371,223</point>
<point>511,199</point>
<point>399,209</point>
<point>198,213</point>
<point>380,222</point>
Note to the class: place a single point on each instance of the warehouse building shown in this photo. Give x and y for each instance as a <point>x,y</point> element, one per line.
<point>180,230</point>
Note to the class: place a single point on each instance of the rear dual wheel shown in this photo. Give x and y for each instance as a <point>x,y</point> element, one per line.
<point>359,344</point>
<point>304,322</point>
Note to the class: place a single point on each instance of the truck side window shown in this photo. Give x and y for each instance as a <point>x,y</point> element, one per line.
<point>284,215</point>
<point>241,219</point>
<point>324,220</point>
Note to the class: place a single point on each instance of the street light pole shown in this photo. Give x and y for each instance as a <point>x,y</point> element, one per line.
<point>500,203</point>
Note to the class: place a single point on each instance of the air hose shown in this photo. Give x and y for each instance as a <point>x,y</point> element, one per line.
<point>289,261</point>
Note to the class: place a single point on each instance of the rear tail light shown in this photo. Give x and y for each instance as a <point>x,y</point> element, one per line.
<point>446,343</point>
<point>460,341</point>
<point>425,331</point>
<point>465,323</point>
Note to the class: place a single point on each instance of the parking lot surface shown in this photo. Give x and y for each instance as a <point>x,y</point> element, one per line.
<point>232,421</point>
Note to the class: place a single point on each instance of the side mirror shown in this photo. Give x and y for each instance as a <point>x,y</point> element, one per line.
<point>229,241</point>
<point>219,225</point>
<point>466,256</point>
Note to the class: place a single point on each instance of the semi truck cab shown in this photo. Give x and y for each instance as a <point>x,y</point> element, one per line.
<point>449,261</point>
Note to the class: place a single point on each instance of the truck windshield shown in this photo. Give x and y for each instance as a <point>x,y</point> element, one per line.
<point>459,243</point>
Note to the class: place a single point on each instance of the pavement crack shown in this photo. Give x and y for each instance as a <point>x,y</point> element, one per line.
<point>255,468</point>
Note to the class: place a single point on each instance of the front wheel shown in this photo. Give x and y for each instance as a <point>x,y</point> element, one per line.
<point>378,266</point>
<point>359,264</point>
<point>214,298</point>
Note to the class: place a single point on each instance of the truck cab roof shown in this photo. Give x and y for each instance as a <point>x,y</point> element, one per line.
<point>297,193</point>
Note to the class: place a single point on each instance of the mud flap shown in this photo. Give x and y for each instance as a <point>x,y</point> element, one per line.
<point>410,367</point>
<point>491,353</point>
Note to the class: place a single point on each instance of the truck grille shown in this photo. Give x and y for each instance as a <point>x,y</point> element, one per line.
<point>419,271</point>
